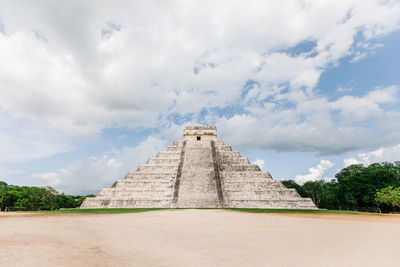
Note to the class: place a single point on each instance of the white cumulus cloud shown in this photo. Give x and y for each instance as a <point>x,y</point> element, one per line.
<point>91,174</point>
<point>388,154</point>
<point>311,125</point>
<point>315,173</point>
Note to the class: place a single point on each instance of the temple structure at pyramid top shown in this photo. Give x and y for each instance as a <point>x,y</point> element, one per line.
<point>199,133</point>
<point>198,172</point>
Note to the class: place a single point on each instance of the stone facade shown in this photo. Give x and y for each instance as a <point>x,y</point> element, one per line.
<point>199,133</point>
<point>198,172</point>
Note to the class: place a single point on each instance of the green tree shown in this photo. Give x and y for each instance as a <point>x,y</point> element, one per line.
<point>357,184</point>
<point>388,196</point>
<point>3,194</point>
<point>315,190</point>
<point>8,196</point>
<point>35,198</point>
<point>322,193</point>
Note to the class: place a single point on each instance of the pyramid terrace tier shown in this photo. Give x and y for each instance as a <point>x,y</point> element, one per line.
<point>254,186</point>
<point>273,204</point>
<point>125,202</point>
<point>137,193</point>
<point>261,195</point>
<point>149,175</point>
<point>157,168</point>
<point>144,185</point>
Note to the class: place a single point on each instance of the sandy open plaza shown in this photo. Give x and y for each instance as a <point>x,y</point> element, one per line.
<point>199,238</point>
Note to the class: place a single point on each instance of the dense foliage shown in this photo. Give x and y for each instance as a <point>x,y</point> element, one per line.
<point>355,187</point>
<point>388,196</point>
<point>13,197</point>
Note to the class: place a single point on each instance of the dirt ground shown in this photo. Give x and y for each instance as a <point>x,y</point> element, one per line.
<point>199,238</point>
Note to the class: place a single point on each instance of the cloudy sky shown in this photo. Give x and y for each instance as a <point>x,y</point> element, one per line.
<point>91,89</point>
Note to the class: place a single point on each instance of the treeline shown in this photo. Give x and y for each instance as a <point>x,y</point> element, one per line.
<point>28,198</point>
<point>372,188</point>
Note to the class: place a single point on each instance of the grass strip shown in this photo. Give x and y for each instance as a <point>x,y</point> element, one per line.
<point>133,210</point>
<point>99,211</point>
<point>301,211</point>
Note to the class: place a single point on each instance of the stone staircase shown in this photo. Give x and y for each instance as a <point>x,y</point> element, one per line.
<point>198,173</point>
<point>198,187</point>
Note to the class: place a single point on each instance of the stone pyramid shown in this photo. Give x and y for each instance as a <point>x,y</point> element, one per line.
<point>198,172</point>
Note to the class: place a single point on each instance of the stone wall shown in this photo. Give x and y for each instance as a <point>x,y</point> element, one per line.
<point>200,132</point>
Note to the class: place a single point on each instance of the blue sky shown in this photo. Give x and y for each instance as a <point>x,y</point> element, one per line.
<point>303,88</point>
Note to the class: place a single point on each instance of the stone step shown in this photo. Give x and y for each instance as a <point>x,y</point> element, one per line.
<point>169,154</point>
<point>194,203</point>
<point>262,199</point>
<point>152,178</point>
<point>223,148</point>
<point>145,185</point>
<point>150,174</point>
<point>141,195</point>
<point>136,194</point>
<point>145,182</point>
<point>241,178</point>
<point>235,161</point>
<point>155,175</point>
<point>172,148</point>
<point>252,187</point>
<point>148,184</point>
<point>227,153</point>
<point>251,179</point>
<point>194,153</point>
<point>244,174</point>
<point>189,157</point>
<point>178,157</point>
<point>149,188</point>
<point>157,168</point>
<point>241,181</point>
<point>163,161</point>
<point>200,166</point>
<point>201,173</point>
<point>228,159</point>
<point>149,180</point>
<point>116,190</point>
<point>240,168</point>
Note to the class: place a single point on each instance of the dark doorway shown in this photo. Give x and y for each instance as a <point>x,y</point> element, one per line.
<point>198,138</point>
